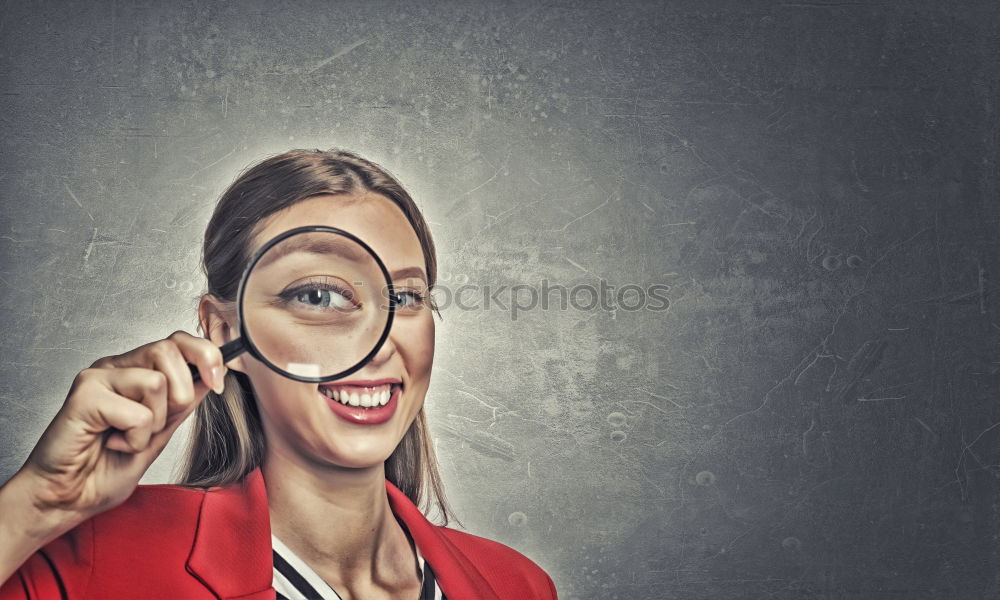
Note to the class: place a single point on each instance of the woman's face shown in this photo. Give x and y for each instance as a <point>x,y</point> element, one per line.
<point>297,417</point>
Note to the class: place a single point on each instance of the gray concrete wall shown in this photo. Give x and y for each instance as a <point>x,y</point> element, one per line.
<point>813,415</point>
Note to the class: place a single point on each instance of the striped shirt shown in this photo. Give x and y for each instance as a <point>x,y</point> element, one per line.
<point>295,580</point>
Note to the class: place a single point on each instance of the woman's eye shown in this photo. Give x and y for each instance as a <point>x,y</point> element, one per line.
<point>415,299</point>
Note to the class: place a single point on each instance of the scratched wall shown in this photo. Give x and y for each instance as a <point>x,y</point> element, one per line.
<point>813,411</point>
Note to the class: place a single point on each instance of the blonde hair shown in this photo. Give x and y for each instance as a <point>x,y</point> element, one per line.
<point>227,441</point>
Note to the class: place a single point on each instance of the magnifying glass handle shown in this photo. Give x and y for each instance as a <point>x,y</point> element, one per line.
<point>230,350</point>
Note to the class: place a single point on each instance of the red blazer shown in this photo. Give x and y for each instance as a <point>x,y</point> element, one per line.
<point>177,543</point>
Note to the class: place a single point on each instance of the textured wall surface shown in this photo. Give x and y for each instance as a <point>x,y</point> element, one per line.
<point>815,412</point>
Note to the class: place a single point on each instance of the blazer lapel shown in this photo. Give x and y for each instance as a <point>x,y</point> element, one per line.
<point>456,575</point>
<point>231,554</point>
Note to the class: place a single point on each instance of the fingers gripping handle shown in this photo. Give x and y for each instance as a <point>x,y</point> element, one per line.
<point>230,350</point>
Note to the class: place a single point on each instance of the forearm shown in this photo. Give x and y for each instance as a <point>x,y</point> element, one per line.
<point>24,527</point>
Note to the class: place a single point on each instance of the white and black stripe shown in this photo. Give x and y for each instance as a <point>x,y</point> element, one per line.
<point>295,580</point>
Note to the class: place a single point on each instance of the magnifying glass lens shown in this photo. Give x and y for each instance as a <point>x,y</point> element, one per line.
<point>315,304</point>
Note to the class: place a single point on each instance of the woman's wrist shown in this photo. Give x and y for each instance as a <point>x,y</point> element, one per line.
<point>25,527</point>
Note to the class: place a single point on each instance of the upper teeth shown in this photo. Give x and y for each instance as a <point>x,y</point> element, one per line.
<point>358,396</point>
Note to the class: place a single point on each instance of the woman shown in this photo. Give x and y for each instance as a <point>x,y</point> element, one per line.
<point>282,497</point>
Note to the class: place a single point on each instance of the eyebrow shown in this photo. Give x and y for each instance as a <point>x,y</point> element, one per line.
<point>327,245</point>
<point>409,272</point>
<point>332,245</point>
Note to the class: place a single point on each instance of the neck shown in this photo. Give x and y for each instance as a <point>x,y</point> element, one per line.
<point>336,519</point>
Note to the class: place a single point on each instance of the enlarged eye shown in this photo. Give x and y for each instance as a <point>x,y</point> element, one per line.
<point>320,296</point>
<point>323,298</point>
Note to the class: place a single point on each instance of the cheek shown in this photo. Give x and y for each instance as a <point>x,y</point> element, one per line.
<point>417,345</point>
<point>276,395</point>
<point>426,338</point>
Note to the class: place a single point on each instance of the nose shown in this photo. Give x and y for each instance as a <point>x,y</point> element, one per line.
<point>385,352</point>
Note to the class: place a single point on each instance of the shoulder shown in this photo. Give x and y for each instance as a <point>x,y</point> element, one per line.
<point>160,496</point>
<point>147,535</point>
<point>475,546</point>
<point>153,509</point>
<point>502,565</point>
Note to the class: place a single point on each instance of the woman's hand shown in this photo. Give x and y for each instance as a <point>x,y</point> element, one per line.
<point>119,415</point>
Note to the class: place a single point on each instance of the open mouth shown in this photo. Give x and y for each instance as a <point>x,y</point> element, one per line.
<point>369,394</point>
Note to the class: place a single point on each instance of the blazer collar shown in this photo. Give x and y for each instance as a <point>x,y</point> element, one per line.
<point>456,575</point>
<point>231,554</point>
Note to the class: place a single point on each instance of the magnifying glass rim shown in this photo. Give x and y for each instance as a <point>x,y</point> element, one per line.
<point>248,340</point>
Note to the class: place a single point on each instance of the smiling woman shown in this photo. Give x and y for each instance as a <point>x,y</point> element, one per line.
<point>290,489</point>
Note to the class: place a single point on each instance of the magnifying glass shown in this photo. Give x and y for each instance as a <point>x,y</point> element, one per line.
<point>315,304</point>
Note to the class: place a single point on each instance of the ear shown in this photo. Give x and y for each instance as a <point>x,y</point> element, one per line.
<point>217,321</point>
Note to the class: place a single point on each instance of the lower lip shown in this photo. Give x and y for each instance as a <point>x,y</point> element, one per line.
<point>360,415</point>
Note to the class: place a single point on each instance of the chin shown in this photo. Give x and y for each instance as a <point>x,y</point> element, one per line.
<point>359,455</point>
